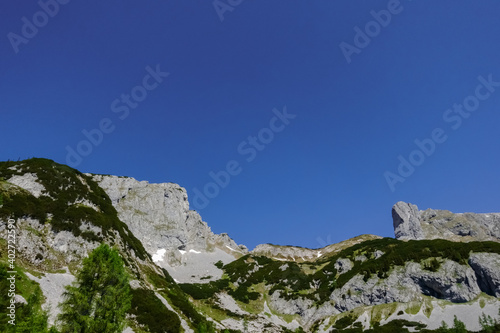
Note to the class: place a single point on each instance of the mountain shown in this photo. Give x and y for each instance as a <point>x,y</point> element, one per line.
<point>185,277</point>
<point>410,223</point>
<point>175,236</point>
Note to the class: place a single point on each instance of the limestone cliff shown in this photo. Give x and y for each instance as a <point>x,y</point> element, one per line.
<point>410,223</point>
<point>175,236</point>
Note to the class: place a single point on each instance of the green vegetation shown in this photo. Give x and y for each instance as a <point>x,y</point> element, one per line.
<point>29,317</point>
<point>167,287</point>
<point>204,290</point>
<point>150,312</point>
<point>488,324</point>
<point>219,264</point>
<point>65,190</point>
<point>316,282</point>
<point>401,326</point>
<point>397,253</point>
<point>91,305</point>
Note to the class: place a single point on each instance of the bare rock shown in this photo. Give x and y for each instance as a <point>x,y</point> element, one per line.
<point>487,269</point>
<point>410,223</point>
<point>406,221</point>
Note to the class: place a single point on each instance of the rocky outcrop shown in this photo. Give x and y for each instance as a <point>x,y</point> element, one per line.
<point>301,254</point>
<point>53,288</point>
<point>487,269</point>
<point>410,223</point>
<point>29,182</point>
<point>406,221</point>
<point>43,248</point>
<point>293,253</point>
<point>405,284</point>
<point>453,282</point>
<point>175,236</point>
<point>343,265</point>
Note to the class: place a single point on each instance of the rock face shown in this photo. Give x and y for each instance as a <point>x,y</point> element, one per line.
<point>28,182</point>
<point>411,283</point>
<point>487,268</point>
<point>406,221</point>
<point>410,223</point>
<point>287,252</point>
<point>301,254</point>
<point>175,236</point>
<point>52,286</point>
<point>42,247</point>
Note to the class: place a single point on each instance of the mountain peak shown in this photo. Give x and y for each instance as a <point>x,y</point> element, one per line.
<point>411,223</point>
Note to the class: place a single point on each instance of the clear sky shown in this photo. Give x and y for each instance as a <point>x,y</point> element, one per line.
<point>354,83</point>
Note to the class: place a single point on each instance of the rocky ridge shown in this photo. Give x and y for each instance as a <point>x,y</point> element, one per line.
<point>175,236</point>
<point>410,223</point>
<point>301,254</point>
<point>272,288</point>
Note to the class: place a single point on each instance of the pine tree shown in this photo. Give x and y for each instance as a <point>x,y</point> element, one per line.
<point>443,328</point>
<point>458,326</point>
<point>100,296</point>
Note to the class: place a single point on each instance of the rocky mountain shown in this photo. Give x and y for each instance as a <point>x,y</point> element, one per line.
<point>175,236</point>
<point>301,254</point>
<point>189,279</point>
<point>410,223</point>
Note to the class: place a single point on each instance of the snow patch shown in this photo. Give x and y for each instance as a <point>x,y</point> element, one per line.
<point>158,256</point>
<point>194,251</point>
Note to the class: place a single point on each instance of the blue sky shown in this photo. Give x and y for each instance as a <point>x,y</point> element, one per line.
<point>321,176</point>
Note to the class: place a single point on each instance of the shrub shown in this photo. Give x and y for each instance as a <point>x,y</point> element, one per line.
<point>149,311</point>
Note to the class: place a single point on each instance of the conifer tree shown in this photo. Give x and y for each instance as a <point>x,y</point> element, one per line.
<point>100,296</point>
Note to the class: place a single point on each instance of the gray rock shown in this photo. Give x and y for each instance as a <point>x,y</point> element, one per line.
<point>409,223</point>
<point>29,182</point>
<point>291,253</point>
<point>361,258</point>
<point>43,248</point>
<point>343,265</point>
<point>452,282</point>
<point>377,254</point>
<point>53,288</point>
<point>18,299</point>
<point>406,221</point>
<point>487,269</point>
<point>175,236</point>
<point>135,284</point>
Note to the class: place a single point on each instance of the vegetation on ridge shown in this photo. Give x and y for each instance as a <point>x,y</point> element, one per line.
<point>317,280</point>
<point>65,202</point>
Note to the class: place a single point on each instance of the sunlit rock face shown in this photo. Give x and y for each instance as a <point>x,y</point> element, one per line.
<point>175,236</point>
<point>410,223</point>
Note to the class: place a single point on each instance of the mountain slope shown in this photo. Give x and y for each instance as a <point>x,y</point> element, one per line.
<point>175,236</point>
<point>60,216</point>
<point>187,279</point>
